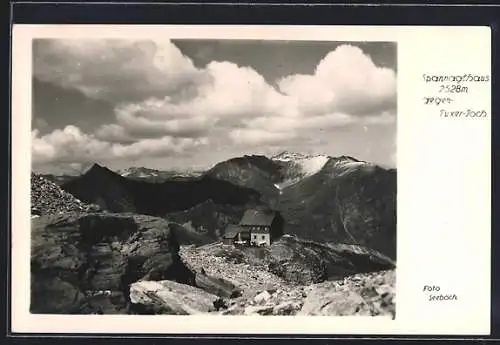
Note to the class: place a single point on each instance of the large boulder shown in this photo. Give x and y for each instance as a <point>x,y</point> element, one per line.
<point>87,261</point>
<point>168,297</point>
<point>216,285</point>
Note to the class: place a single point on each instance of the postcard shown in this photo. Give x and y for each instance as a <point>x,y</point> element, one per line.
<point>325,180</point>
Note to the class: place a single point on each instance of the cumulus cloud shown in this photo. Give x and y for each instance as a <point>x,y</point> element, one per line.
<point>71,145</point>
<point>115,70</point>
<point>113,133</point>
<point>163,104</point>
<point>228,94</point>
<point>346,80</point>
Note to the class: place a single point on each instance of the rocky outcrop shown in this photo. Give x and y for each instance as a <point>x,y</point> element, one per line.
<point>48,198</point>
<point>168,297</point>
<point>298,261</point>
<point>86,262</point>
<point>270,289</point>
<point>364,294</point>
<point>303,262</point>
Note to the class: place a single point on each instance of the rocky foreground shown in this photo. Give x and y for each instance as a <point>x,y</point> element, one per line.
<point>105,263</point>
<point>48,198</point>
<point>268,292</point>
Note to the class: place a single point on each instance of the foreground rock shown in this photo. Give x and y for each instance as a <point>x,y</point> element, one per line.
<point>286,301</point>
<point>370,294</point>
<point>168,297</point>
<point>86,262</point>
<point>218,286</point>
<point>56,296</point>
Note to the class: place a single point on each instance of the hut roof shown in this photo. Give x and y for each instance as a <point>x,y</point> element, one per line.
<point>258,217</point>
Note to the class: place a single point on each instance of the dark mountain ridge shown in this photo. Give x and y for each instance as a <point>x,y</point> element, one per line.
<point>116,193</point>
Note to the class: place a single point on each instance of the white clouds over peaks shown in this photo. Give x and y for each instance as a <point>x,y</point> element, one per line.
<point>164,104</point>
<point>226,94</point>
<point>70,145</point>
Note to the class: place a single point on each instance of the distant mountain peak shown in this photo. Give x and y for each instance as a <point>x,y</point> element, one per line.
<point>138,172</point>
<point>345,158</point>
<point>292,156</point>
<point>96,166</point>
<point>99,169</point>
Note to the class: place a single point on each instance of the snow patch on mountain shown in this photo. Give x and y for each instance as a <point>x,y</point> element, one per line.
<point>312,165</point>
<point>299,166</point>
<point>309,164</point>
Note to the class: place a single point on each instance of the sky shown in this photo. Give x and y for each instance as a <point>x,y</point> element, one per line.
<point>189,104</point>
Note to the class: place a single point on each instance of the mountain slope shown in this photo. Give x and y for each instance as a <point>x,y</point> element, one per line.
<point>208,218</point>
<point>256,172</point>
<point>118,194</point>
<point>346,201</point>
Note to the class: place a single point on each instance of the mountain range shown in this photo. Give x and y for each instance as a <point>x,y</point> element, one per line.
<point>154,175</point>
<point>321,198</point>
<point>115,193</point>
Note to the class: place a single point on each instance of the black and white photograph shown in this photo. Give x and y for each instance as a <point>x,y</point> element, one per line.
<point>213,177</point>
